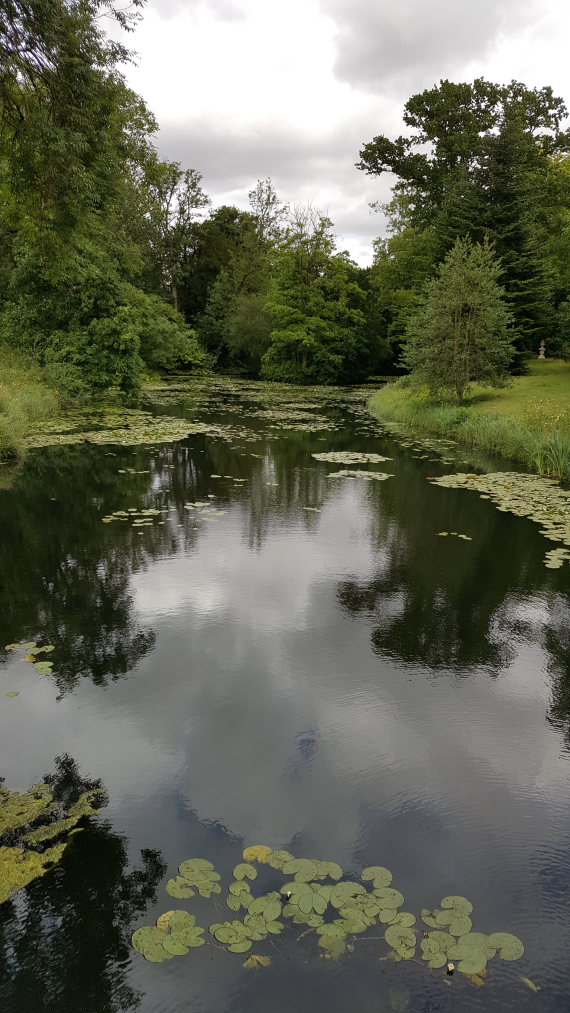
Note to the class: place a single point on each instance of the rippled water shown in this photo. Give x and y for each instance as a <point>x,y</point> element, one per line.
<point>341,683</point>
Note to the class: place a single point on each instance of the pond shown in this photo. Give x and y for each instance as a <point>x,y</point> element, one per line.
<point>271,655</point>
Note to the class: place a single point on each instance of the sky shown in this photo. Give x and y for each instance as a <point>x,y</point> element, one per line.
<point>292,89</point>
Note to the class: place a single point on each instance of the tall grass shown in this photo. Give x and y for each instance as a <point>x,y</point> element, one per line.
<point>546,451</point>
<point>25,400</point>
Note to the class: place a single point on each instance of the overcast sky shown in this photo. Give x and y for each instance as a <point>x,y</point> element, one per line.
<point>291,89</point>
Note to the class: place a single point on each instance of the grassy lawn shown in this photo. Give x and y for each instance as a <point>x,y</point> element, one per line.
<point>542,396</point>
<point>528,421</point>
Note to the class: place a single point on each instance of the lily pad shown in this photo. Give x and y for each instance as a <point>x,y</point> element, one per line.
<point>149,941</point>
<point>245,871</point>
<point>397,936</point>
<point>510,947</point>
<point>257,853</point>
<point>179,887</point>
<point>380,876</point>
<point>389,897</point>
<point>474,963</point>
<point>173,945</point>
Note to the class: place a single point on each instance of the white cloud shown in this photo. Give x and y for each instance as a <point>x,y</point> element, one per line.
<point>244,89</point>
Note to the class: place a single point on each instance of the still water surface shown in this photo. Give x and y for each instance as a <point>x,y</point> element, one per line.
<point>338,682</point>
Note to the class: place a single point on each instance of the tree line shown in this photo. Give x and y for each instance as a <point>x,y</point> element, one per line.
<point>113,263</point>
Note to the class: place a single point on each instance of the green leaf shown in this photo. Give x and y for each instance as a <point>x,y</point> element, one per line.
<point>242,947</point>
<point>474,963</point>
<point>12,693</point>
<point>510,947</point>
<point>388,897</point>
<point>460,926</point>
<point>460,904</point>
<point>302,868</point>
<point>179,888</point>
<point>397,936</point>
<point>428,918</point>
<point>149,941</point>
<point>245,871</point>
<point>380,875</point>
<point>173,945</point>
<point>437,960</point>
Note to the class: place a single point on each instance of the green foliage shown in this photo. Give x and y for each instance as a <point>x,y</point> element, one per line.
<point>462,330</point>
<point>27,821</point>
<point>482,160</point>
<point>355,910</point>
<point>316,305</point>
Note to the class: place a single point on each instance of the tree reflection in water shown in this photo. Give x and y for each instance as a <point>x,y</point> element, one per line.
<point>65,938</point>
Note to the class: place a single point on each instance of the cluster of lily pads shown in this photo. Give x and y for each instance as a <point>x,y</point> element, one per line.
<point>316,895</point>
<point>350,457</point>
<point>380,476</point>
<point>443,534</point>
<point>137,518</point>
<point>28,821</point>
<point>33,650</point>
<point>532,496</point>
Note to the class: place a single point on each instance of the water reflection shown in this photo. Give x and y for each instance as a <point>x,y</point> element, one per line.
<point>65,938</point>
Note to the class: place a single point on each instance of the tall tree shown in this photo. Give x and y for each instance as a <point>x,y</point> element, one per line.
<point>462,332</point>
<point>316,305</point>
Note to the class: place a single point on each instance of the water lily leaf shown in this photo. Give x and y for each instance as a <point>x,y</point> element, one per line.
<point>268,906</point>
<point>342,892</point>
<point>302,868</point>
<point>12,647</point>
<point>329,869</point>
<point>444,917</point>
<point>334,946</point>
<point>194,865</point>
<point>30,645</point>
<point>510,947</point>
<point>460,904</point>
<point>480,941</point>
<point>437,960</point>
<point>460,926</point>
<point>444,940</point>
<point>381,876</point>
<point>234,903</point>
<point>255,962</point>
<point>335,929</point>
<point>405,918</point>
<point>190,935</point>
<point>245,871</point>
<point>43,667</point>
<point>163,921</point>
<point>257,853</point>
<point>277,859</point>
<point>149,941</point>
<point>173,945</point>
<point>397,936</point>
<point>428,918</point>
<point>180,888</point>
<point>474,963</point>
<point>242,947</point>
<point>388,915</point>
<point>239,888</point>
<point>406,952</point>
<point>13,692</point>
<point>296,889</point>
<point>388,897</point>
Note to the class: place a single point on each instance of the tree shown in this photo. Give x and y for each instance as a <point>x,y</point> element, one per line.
<point>463,330</point>
<point>479,163</point>
<point>317,308</point>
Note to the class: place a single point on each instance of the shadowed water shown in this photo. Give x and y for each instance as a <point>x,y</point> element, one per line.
<point>339,682</point>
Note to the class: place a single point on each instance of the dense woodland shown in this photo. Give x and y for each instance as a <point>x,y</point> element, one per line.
<point>115,265</point>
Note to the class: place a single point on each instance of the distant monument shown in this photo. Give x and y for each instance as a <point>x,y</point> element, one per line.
<point>541,350</point>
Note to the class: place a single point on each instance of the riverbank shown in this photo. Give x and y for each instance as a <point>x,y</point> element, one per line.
<point>25,401</point>
<point>528,421</point>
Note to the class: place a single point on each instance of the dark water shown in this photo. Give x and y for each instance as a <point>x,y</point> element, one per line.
<point>340,683</point>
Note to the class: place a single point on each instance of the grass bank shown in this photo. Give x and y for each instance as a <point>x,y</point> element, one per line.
<point>25,400</point>
<point>528,421</point>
